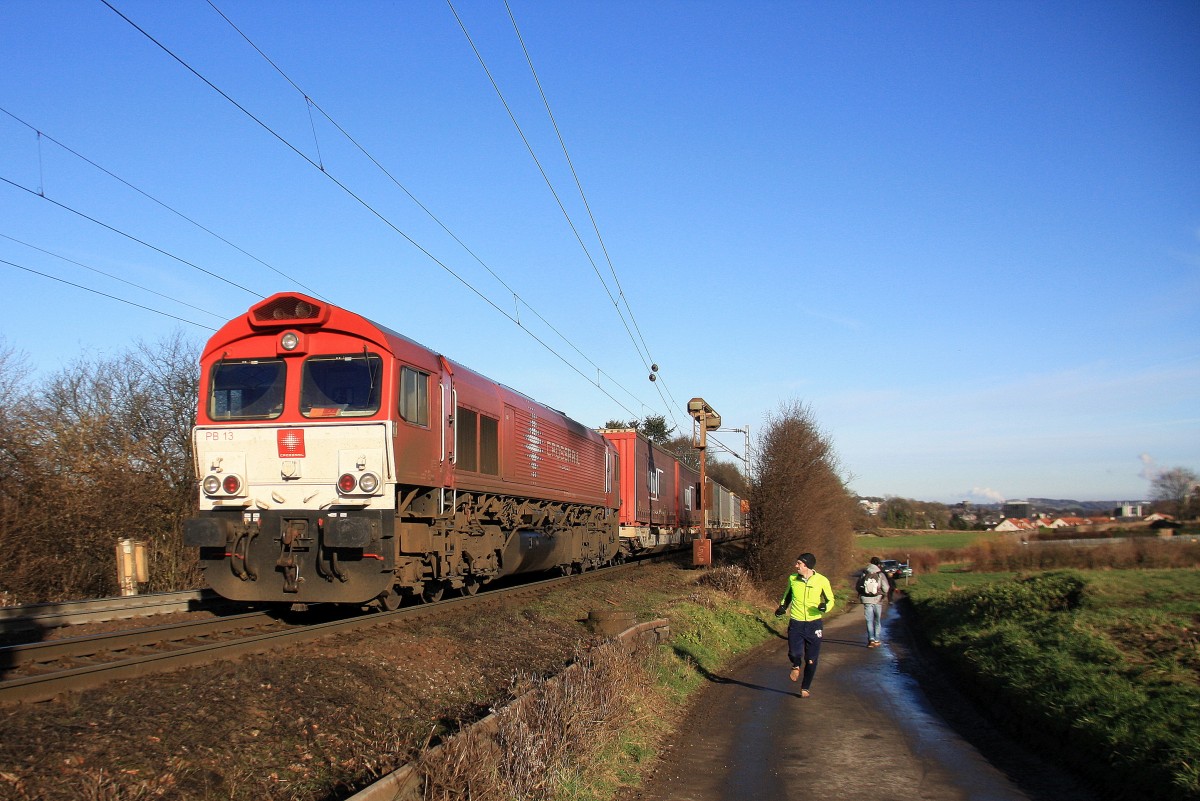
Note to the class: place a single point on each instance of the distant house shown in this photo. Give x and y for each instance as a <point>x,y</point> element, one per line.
<point>1154,518</point>
<point>1016,524</point>
<point>1069,522</point>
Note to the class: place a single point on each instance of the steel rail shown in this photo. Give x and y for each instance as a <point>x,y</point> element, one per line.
<point>35,617</point>
<point>44,687</point>
<point>78,647</point>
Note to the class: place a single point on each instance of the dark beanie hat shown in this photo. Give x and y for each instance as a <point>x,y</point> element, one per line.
<point>808,559</point>
<point>875,560</point>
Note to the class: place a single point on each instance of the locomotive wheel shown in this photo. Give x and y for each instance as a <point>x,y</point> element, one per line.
<point>390,600</point>
<point>469,587</point>
<point>432,592</point>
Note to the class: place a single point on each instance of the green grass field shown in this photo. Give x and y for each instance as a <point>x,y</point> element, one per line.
<point>1102,667</point>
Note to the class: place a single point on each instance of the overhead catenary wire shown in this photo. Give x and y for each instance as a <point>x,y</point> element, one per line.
<point>445,267</point>
<point>582,195</point>
<point>312,104</point>
<point>110,275</point>
<point>379,215</point>
<point>130,236</point>
<point>644,356</point>
<point>42,135</point>
<point>104,294</point>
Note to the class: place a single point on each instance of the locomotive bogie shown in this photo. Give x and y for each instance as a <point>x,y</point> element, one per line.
<point>294,556</point>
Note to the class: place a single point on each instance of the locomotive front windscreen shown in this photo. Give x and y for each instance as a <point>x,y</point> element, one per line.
<point>247,390</point>
<point>341,386</point>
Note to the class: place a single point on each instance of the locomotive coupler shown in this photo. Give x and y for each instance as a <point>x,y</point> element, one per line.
<point>293,530</point>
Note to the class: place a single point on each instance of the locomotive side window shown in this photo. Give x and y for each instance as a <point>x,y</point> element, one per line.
<point>247,390</point>
<point>489,445</point>
<point>478,443</point>
<point>414,396</point>
<point>467,424</point>
<point>341,386</point>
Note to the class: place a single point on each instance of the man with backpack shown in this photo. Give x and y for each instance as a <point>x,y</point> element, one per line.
<point>872,588</point>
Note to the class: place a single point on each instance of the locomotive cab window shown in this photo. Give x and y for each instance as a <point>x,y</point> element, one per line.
<point>414,396</point>
<point>247,390</point>
<point>341,386</point>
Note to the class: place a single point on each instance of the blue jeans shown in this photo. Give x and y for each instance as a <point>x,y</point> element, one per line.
<point>874,615</point>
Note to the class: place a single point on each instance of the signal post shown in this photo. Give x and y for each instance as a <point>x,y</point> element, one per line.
<point>704,419</point>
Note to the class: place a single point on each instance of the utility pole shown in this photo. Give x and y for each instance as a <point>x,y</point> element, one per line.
<point>704,419</point>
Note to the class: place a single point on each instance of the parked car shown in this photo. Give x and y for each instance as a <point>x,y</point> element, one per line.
<point>895,569</point>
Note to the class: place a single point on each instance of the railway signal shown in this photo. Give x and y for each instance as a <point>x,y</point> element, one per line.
<point>704,419</point>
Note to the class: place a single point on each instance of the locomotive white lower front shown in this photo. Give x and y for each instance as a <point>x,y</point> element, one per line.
<point>307,510</point>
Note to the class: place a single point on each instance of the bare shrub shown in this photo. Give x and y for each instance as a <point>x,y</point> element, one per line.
<point>798,499</point>
<point>729,579</point>
<point>544,737</point>
<point>98,452</point>
<point>733,581</point>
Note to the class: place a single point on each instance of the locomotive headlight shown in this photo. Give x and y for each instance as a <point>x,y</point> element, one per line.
<point>368,482</point>
<point>232,484</point>
<point>289,341</point>
<point>212,485</point>
<point>347,483</point>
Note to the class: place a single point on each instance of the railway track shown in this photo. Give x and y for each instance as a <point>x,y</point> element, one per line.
<point>41,671</point>
<point>43,617</point>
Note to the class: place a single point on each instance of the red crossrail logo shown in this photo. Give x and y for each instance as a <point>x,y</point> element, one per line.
<point>291,442</point>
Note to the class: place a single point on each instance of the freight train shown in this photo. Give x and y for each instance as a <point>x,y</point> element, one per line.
<point>342,462</point>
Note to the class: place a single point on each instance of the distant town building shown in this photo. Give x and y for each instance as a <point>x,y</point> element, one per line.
<point>869,506</point>
<point>1130,509</point>
<point>1017,509</point>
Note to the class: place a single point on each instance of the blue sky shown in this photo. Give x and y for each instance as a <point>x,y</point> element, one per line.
<point>965,234</point>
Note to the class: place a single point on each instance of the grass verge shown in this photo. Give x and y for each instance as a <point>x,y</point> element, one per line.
<point>1101,667</point>
<point>588,734</point>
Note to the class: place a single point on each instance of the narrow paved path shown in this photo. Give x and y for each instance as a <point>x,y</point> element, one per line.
<point>870,730</point>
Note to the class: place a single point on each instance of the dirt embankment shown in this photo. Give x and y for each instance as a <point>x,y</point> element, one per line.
<point>308,723</point>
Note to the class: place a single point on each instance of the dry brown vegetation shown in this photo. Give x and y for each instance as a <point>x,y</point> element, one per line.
<point>1005,555</point>
<point>323,720</point>
<point>95,453</point>
<point>798,501</point>
<point>541,741</point>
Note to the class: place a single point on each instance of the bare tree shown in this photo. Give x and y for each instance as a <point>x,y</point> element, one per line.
<point>727,475</point>
<point>798,501</point>
<point>1178,489</point>
<point>102,450</point>
<point>684,450</point>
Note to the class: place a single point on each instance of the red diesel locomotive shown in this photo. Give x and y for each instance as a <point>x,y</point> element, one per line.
<point>341,462</point>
